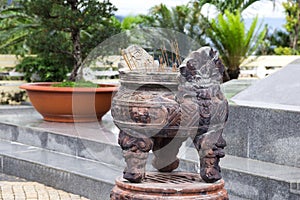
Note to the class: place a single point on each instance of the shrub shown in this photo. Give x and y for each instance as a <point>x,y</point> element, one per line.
<point>42,69</point>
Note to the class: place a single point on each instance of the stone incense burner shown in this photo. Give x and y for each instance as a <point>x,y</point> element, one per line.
<point>158,111</point>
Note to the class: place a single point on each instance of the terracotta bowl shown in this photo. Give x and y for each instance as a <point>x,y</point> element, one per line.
<point>66,104</point>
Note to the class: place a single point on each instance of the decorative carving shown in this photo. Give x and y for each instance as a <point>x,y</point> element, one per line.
<point>199,90</point>
<point>135,152</point>
<point>151,108</point>
<point>140,115</point>
<point>169,186</point>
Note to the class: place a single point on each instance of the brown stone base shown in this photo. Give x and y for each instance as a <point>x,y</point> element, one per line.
<point>167,186</point>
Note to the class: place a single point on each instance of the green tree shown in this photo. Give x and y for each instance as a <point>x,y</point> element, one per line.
<point>15,26</point>
<point>229,5</point>
<point>183,18</point>
<point>131,22</point>
<point>292,11</point>
<point>66,30</point>
<point>3,3</point>
<point>272,41</point>
<point>233,41</point>
<point>287,42</point>
<point>175,19</point>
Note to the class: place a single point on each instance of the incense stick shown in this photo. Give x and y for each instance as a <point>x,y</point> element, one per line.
<point>126,60</point>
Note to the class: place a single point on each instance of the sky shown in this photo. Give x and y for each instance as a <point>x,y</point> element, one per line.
<point>264,8</point>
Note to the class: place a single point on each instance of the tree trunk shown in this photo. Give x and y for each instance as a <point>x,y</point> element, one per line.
<point>77,54</point>
<point>296,29</point>
<point>233,73</point>
<point>226,76</point>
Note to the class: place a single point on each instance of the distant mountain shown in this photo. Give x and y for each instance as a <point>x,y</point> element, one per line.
<point>273,23</point>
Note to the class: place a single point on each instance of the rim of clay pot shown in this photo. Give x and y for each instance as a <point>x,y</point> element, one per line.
<point>46,86</point>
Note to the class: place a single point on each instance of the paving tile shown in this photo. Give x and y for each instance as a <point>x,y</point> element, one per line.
<point>14,188</point>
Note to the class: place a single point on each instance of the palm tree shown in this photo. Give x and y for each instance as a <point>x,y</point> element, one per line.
<point>230,5</point>
<point>184,18</point>
<point>233,41</point>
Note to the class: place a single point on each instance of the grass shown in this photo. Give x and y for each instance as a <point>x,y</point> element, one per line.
<point>87,84</point>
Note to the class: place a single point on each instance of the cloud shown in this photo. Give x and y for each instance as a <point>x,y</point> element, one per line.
<point>265,9</point>
<point>134,7</point>
<point>262,8</point>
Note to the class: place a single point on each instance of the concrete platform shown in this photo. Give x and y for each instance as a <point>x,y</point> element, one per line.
<point>280,90</point>
<point>85,159</point>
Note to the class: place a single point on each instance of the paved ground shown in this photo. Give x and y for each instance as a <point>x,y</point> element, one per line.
<point>14,188</point>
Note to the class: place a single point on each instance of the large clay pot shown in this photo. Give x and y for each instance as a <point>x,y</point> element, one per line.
<point>66,104</point>
<point>140,107</point>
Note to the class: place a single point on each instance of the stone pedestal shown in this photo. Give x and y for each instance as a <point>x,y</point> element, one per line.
<point>163,186</point>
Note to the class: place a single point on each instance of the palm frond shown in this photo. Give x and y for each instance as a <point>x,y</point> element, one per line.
<point>228,35</point>
<point>15,26</point>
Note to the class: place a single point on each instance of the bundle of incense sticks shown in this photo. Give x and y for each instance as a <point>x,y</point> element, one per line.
<point>134,61</point>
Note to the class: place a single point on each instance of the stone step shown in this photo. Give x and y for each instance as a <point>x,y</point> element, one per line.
<point>16,110</point>
<point>84,177</point>
<point>253,179</point>
<point>86,140</point>
<point>97,143</point>
<point>269,135</point>
<point>244,178</point>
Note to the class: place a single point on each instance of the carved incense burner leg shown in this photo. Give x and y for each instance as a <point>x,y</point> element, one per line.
<point>135,152</point>
<point>210,149</point>
<point>165,152</point>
